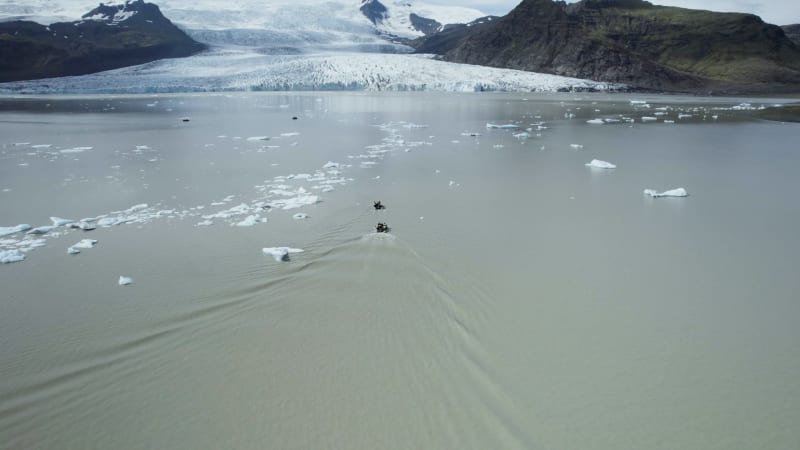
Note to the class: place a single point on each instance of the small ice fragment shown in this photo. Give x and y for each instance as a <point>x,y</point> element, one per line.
<point>508,126</point>
<point>300,216</point>
<point>59,222</point>
<point>684,116</point>
<point>678,192</point>
<point>331,165</point>
<point>11,256</point>
<point>85,243</point>
<point>204,223</point>
<point>125,281</point>
<point>521,136</point>
<point>599,164</point>
<point>649,119</point>
<point>249,221</point>
<point>41,230</point>
<point>669,121</point>
<point>280,253</point>
<point>4,231</point>
<point>72,251</point>
<point>258,138</point>
<point>595,121</point>
<point>576,146</point>
<point>451,183</point>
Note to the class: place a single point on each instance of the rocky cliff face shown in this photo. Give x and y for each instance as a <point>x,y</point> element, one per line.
<point>108,37</point>
<point>632,42</point>
<point>793,33</point>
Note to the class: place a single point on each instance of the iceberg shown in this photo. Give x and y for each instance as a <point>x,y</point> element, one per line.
<point>507,126</point>
<point>280,253</point>
<point>599,164</point>
<point>678,192</point>
<point>11,256</point>
<point>125,281</point>
<point>85,243</point>
<point>5,231</point>
<point>596,121</point>
<point>59,222</point>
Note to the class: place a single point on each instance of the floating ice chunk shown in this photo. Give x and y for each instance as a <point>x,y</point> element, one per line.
<point>595,121</point>
<point>59,222</point>
<point>75,150</point>
<point>649,119</point>
<point>684,116</point>
<point>250,220</point>
<point>42,146</point>
<point>41,230</point>
<point>136,208</point>
<point>669,121</point>
<point>599,164</point>
<point>204,223</point>
<point>11,256</point>
<point>576,146</point>
<point>280,253</point>
<point>678,192</point>
<point>5,231</point>
<point>638,102</point>
<point>330,165</point>
<point>72,251</point>
<point>290,134</point>
<point>507,126</point>
<point>300,216</point>
<point>258,138</point>
<point>85,243</point>
<point>521,136</point>
<point>611,120</point>
<point>295,202</point>
<point>125,281</point>
<point>471,134</point>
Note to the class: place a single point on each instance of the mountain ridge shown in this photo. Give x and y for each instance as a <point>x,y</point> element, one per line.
<point>108,37</point>
<point>632,42</point>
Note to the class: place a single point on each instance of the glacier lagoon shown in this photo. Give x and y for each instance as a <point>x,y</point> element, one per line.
<point>521,299</point>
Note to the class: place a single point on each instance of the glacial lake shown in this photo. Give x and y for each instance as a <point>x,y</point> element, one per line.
<point>521,299</point>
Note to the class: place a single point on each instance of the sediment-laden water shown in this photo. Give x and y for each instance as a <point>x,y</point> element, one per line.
<point>520,300</point>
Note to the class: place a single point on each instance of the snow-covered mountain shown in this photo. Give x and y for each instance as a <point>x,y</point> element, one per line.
<point>280,26</point>
<point>290,45</point>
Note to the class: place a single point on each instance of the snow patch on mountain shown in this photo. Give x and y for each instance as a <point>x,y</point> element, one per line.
<point>398,20</point>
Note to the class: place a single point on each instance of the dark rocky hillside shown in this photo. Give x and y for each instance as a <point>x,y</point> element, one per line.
<point>633,42</point>
<point>107,38</point>
<point>793,33</point>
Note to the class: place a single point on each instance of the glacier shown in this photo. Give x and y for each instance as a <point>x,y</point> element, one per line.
<point>288,45</point>
<point>240,69</point>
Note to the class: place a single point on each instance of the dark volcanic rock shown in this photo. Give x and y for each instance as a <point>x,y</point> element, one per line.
<point>632,42</point>
<point>426,26</point>
<point>107,38</point>
<point>373,10</point>
<point>793,33</point>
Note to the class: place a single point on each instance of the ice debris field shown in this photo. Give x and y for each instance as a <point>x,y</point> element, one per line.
<point>297,190</point>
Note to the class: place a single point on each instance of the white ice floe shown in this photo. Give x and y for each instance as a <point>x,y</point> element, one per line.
<point>522,136</point>
<point>125,281</point>
<point>280,253</point>
<point>250,221</point>
<point>596,121</point>
<point>678,192</point>
<point>258,138</point>
<point>330,165</point>
<point>300,216</point>
<point>75,150</point>
<point>507,126</point>
<point>599,164</point>
<point>576,146</point>
<point>72,251</point>
<point>10,256</point>
<point>295,202</point>
<point>649,119</point>
<point>59,222</point>
<point>85,243</point>
<point>5,231</point>
<point>41,230</point>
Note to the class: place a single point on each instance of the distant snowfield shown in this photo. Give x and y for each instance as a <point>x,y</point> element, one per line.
<point>244,70</point>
